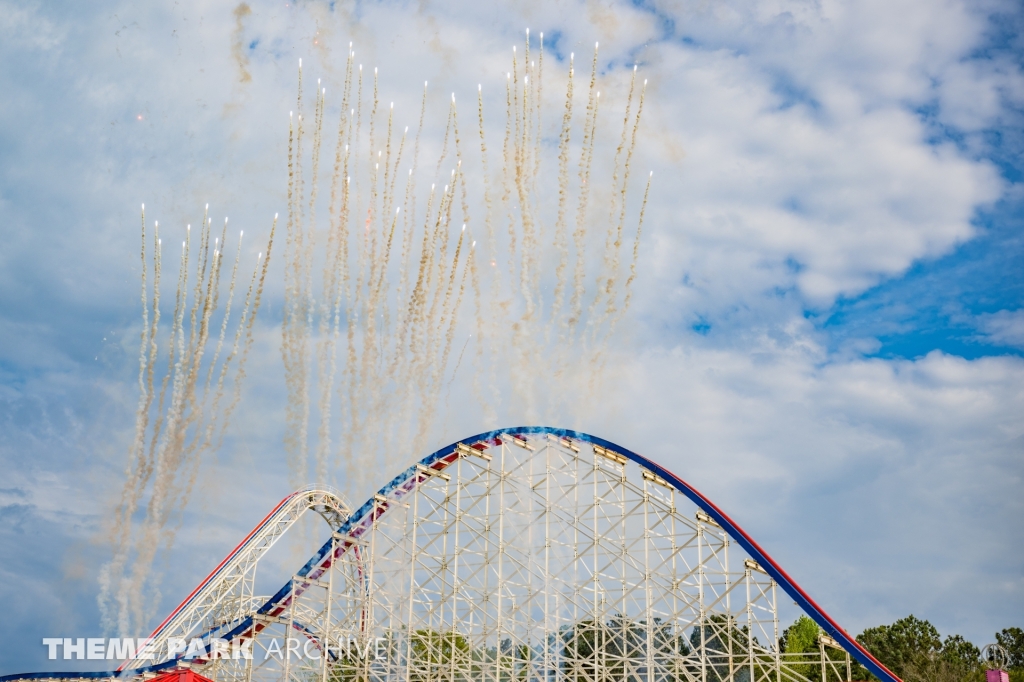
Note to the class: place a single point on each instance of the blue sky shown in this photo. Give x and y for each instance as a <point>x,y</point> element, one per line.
<point>827,334</point>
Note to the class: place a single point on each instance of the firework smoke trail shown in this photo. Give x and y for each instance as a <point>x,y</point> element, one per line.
<point>197,417</point>
<point>598,360</point>
<point>612,267</point>
<point>446,309</point>
<point>220,341</point>
<point>482,332</point>
<point>314,191</point>
<point>113,576</point>
<point>394,225</point>
<point>439,300</point>
<point>560,241</point>
<point>580,233</point>
<point>247,320</point>
<point>405,312</point>
<point>488,223</point>
<point>335,274</point>
<point>169,453</point>
<point>521,126</point>
<point>306,239</point>
<point>506,171</point>
<point>458,156</point>
<point>292,269</point>
<point>429,373</point>
<point>137,457</point>
<point>372,213</point>
<point>409,337</point>
<point>367,384</point>
<point>164,460</point>
<point>193,412</point>
<point>409,218</point>
<point>388,204</point>
<point>129,600</point>
<point>453,311</point>
<point>636,249</point>
<point>295,328</point>
<point>523,344</point>
<point>430,407</point>
<point>540,96</point>
<point>358,370</point>
<point>349,376</point>
<point>204,420</point>
<point>431,291</point>
<point>611,240</point>
<point>219,245</point>
<point>534,130</point>
<point>400,326</point>
<point>172,348</point>
<point>561,244</point>
<point>145,396</point>
<point>522,163</point>
<point>401,321</point>
<point>410,341</point>
<point>197,294</point>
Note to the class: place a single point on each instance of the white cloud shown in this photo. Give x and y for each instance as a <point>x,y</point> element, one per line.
<point>802,143</point>
<point>791,167</point>
<point>876,484</point>
<point>1005,327</point>
<point>22,27</point>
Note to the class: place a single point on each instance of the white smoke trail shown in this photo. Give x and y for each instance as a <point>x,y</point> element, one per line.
<point>397,275</point>
<point>172,437</point>
<point>400,321</point>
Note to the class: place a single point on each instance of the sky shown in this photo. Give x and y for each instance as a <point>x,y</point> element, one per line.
<point>827,331</point>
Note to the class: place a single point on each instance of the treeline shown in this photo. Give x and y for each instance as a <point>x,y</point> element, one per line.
<point>618,651</point>
<point>915,651</point>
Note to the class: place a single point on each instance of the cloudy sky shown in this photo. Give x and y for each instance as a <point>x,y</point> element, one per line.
<point>827,333</point>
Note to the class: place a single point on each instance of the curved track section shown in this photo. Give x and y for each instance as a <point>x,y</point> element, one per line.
<point>354,537</point>
<point>222,593</point>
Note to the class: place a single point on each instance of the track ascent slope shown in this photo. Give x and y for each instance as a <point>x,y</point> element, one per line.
<point>528,553</point>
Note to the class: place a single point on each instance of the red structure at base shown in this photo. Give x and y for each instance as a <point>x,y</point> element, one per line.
<point>180,675</point>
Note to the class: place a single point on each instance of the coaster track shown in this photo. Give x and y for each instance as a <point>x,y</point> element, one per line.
<point>359,574</point>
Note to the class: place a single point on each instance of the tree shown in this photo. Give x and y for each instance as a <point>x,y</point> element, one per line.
<point>1012,640</point>
<point>914,651</point>
<point>960,653</point>
<point>432,651</point>
<point>432,655</point>
<point>957,661</point>
<point>617,651</point>
<point>907,642</point>
<point>799,638</point>
<point>722,644</point>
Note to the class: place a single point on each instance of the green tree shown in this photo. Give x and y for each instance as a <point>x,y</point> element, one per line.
<point>960,653</point>
<point>957,661</point>
<point>616,651</point>
<point>432,651</point>
<point>907,642</point>
<point>914,651</point>
<point>432,656</point>
<point>799,638</point>
<point>585,646</point>
<point>1012,640</point>
<point>722,644</point>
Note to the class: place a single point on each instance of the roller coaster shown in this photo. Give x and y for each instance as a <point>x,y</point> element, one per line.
<point>531,554</point>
